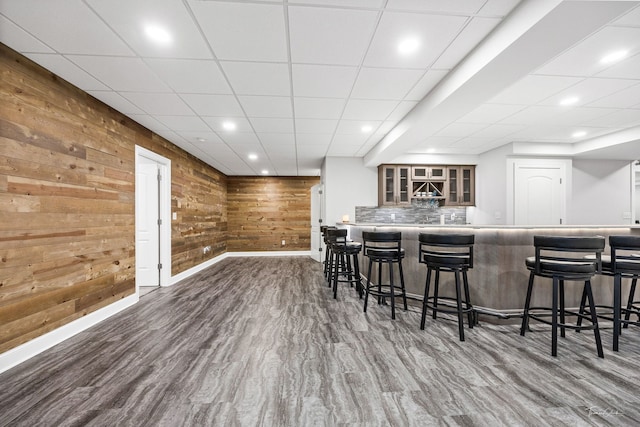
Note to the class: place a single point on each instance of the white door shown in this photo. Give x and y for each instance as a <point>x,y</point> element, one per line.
<point>538,195</point>
<point>316,221</point>
<point>147,223</point>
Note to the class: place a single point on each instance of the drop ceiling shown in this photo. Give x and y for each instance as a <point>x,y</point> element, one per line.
<point>299,80</point>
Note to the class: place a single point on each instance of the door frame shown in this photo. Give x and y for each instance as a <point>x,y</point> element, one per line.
<point>165,212</point>
<point>513,164</point>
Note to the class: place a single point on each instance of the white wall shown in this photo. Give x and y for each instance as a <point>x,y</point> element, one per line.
<point>491,188</point>
<point>347,184</point>
<point>601,192</point>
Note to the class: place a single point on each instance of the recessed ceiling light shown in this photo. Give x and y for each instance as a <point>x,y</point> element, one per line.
<point>252,156</point>
<point>614,56</point>
<point>367,128</point>
<point>229,126</point>
<point>407,46</point>
<point>431,150</point>
<point>579,134</point>
<point>265,172</point>
<point>157,33</point>
<point>569,101</point>
<point>201,140</point>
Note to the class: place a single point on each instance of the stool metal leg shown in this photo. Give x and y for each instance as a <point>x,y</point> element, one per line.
<point>617,284</point>
<point>459,305</point>
<point>366,290</point>
<point>527,304</point>
<point>594,319</point>
<point>465,281</point>
<point>436,284</point>
<point>562,313</point>
<point>632,294</point>
<point>404,293</point>
<point>425,298</point>
<point>392,288</point>
<point>554,318</point>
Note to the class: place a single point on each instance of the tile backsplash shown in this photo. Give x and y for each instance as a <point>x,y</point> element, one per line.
<point>417,213</point>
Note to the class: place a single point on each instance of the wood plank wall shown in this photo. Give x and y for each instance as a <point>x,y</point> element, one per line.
<point>263,211</point>
<point>67,202</point>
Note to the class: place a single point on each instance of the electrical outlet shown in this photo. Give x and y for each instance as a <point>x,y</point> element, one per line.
<point>283,242</point>
<point>393,217</point>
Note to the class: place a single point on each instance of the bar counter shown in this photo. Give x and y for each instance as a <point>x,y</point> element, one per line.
<point>498,280</point>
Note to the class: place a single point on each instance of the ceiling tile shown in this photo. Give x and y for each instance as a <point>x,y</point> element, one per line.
<point>349,139</point>
<point>443,6</point>
<point>217,124</point>
<point>498,131</point>
<point>535,115</point>
<point>385,83</point>
<point>130,18</point>
<point>313,139</point>
<point>627,69</point>
<point>315,126</point>
<point>197,138</point>
<point>403,108</point>
<point>360,109</point>
<point>66,69</point>
<point>533,89</point>
<point>354,127</point>
<point>88,35</point>
<point>270,140</point>
<point>631,19</point>
<point>266,106</point>
<point>460,130</point>
<point>471,35</point>
<point>148,122</point>
<point>491,113</point>
<point>617,119</point>
<point>329,36</point>
<point>243,31</point>
<point>164,104</point>
<point>116,101</point>
<point>214,105</point>
<point>590,90</point>
<point>623,99</point>
<point>342,3</point>
<point>240,138</point>
<point>258,78</point>
<point>323,81</point>
<point>19,39</point>
<point>318,108</point>
<point>433,32</point>
<point>190,75</point>
<point>584,58</point>
<point>498,7</point>
<point>270,125</point>
<point>184,123</point>
<point>121,74</point>
<point>428,81</point>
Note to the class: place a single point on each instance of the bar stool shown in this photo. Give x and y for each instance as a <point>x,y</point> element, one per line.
<point>327,249</point>
<point>384,248</point>
<point>343,260</point>
<point>624,262</point>
<point>555,258</point>
<point>447,253</point>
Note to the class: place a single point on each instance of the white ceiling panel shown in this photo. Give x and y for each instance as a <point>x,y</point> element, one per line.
<point>590,90</point>
<point>218,124</point>
<point>243,31</point>
<point>273,80</point>
<point>316,126</point>
<point>130,20</point>
<point>432,32</point>
<point>442,6</point>
<point>584,59</point>
<point>190,75</point>
<point>116,101</point>
<point>323,81</point>
<point>267,106</point>
<point>121,74</point>
<point>385,83</point>
<point>318,108</point>
<point>184,123</point>
<point>50,21</point>
<point>476,30</point>
<point>19,39</point>
<point>214,105</point>
<point>66,69</point>
<point>301,77</point>
<point>428,81</point>
<point>533,89</point>
<point>627,98</point>
<point>329,36</point>
<point>272,140</point>
<point>270,125</point>
<point>163,104</point>
<point>361,109</point>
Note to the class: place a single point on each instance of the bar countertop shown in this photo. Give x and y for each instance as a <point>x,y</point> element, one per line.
<point>498,280</point>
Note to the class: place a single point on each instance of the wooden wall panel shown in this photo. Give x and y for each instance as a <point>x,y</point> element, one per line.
<point>263,211</point>
<point>67,202</point>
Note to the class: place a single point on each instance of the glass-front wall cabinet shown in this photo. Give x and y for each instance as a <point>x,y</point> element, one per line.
<point>452,185</point>
<point>394,185</point>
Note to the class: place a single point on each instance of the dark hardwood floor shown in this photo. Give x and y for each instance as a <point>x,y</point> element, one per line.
<point>261,341</point>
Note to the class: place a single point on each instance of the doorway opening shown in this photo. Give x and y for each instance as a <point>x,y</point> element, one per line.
<point>152,219</point>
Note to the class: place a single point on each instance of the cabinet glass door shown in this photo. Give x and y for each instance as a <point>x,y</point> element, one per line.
<point>453,186</point>
<point>466,185</point>
<point>403,185</point>
<point>389,185</point>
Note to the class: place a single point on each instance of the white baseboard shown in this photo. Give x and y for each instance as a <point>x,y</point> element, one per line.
<point>25,351</point>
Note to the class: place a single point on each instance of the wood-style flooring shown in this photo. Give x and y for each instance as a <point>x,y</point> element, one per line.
<point>261,341</point>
